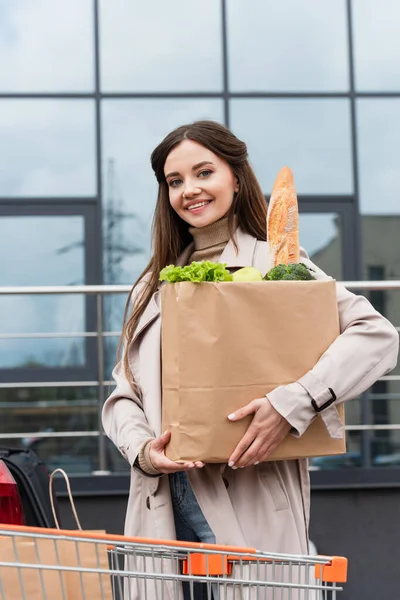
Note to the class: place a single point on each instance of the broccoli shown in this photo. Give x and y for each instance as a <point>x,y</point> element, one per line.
<point>296,272</point>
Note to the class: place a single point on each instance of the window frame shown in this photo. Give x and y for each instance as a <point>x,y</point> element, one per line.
<point>56,207</point>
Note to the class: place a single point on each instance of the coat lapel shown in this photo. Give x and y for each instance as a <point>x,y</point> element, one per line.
<point>244,256</point>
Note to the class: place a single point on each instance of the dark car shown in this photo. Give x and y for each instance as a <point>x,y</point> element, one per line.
<point>24,489</point>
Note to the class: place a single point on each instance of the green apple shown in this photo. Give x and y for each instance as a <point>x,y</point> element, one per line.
<point>247,274</point>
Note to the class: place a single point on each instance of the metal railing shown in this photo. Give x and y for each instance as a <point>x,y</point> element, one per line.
<point>100,334</point>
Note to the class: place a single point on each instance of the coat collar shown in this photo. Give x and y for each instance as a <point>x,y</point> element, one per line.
<point>243,257</point>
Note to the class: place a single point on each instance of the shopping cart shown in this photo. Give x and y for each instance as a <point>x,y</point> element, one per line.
<point>46,564</point>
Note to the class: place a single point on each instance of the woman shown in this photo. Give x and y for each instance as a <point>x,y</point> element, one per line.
<point>211,207</point>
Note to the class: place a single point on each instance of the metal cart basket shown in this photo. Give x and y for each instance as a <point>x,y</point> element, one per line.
<point>46,564</point>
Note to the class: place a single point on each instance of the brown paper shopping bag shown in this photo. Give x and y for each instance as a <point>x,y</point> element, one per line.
<point>225,344</point>
<point>38,583</point>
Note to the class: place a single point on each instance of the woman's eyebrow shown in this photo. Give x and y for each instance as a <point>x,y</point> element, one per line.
<point>194,168</point>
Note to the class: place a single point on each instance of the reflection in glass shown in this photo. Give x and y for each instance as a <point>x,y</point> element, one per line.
<point>159,46</point>
<point>381,262</point>
<point>46,46</point>
<point>383,408</point>
<point>353,457</point>
<point>385,448</point>
<point>42,250</point>
<point>376,32</point>
<point>287,45</point>
<point>76,455</point>
<point>114,308</point>
<point>131,130</point>
<point>48,148</point>
<point>321,237</point>
<point>378,125</point>
<point>57,409</point>
<point>311,136</point>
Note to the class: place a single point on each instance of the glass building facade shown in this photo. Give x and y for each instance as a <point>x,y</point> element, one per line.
<point>87,90</point>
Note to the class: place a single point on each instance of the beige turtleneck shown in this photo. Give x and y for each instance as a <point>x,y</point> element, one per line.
<point>209,242</point>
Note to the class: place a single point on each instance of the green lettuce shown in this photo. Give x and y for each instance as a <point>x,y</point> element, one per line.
<point>196,272</point>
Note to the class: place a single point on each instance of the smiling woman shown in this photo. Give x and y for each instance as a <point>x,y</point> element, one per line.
<point>197,194</point>
<point>210,206</point>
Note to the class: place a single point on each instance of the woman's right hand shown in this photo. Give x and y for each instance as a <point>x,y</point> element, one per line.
<point>164,464</point>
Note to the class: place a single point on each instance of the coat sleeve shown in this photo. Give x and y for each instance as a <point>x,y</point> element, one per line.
<point>124,420</point>
<point>366,349</point>
<point>123,417</point>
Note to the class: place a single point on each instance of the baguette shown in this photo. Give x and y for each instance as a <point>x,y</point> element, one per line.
<point>283,220</point>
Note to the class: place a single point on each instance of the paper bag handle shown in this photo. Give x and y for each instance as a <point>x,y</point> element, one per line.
<point>71,499</point>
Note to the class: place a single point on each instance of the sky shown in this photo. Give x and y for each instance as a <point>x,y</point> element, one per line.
<point>47,147</point>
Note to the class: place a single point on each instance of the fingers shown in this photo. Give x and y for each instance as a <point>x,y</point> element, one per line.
<point>159,443</point>
<point>266,431</point>
<point>258,451</point>
<point>245,411</point>
<point>242,446</point>
<point>164,464</point>
<point>254,454</point>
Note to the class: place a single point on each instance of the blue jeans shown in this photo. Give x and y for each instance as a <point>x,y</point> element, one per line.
<point>190,525</point>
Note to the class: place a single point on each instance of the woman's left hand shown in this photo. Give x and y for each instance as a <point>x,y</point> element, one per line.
<point>264,434</point>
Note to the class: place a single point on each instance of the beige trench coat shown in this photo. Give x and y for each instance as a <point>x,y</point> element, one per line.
<point>265,506</point>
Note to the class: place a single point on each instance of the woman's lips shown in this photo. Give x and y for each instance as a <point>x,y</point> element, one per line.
<point>198,206</point>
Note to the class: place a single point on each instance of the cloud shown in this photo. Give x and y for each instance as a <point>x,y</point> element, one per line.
<point>310,136</point>
<point>161,45</point>
<point>376,44</point>
<point>46,46</point>
<point>48,148</point>
<point>288,45</point>
<point>378,123</point>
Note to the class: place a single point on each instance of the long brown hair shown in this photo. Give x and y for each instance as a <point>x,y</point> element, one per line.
<point>170,234</point>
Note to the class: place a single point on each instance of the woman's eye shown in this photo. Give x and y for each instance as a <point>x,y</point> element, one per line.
<point>175,182</point>
<point>205,173</point>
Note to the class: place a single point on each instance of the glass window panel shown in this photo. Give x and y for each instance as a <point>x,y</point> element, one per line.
<point>53,410</point>
<point>47,148</point>
<point>114,308</point>
<point>384,409</point>
<point>131,130</point>
<point>321,237</point>
<point>381,263</point>
<point>76,455</point>
<point>351,459</point>
<point>378,125</point>
<point>287,45</point>
<point>160,46</point>
<point>42,251</point>
<point>311,136</point>
<point>376,33</point>
<point>46,46</point>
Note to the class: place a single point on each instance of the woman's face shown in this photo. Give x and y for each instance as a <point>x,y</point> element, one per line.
<point>201,185</point>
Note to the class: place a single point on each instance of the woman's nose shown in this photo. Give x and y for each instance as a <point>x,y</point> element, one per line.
<point>191,190</point>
